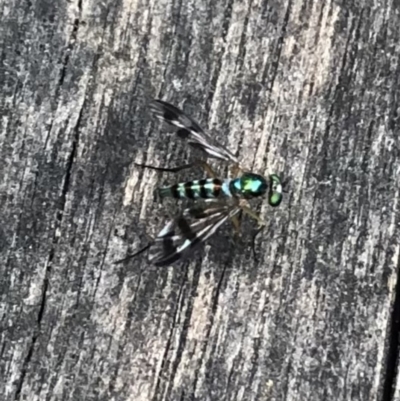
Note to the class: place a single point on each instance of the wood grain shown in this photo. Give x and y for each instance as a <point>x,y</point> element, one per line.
<point>307,89</point>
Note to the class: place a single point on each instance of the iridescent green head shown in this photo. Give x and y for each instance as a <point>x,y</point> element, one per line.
<point>275,190</point>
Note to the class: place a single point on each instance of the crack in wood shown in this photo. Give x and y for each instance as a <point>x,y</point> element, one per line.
<point>164,360</point>
<point>59,217</point>
<point>391,369</point>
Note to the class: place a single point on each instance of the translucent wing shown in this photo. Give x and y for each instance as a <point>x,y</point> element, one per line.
<point>181,235</point>
<point>188,128</point>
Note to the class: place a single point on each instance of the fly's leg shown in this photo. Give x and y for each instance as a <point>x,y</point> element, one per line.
<point>237,223</point>
<point>236,238</point>
<point>261,224</point>
<point>207,168</point>
<point>150,240</point>
<point>250,212</point>
<point>198,163</point>
<point>235,170</point>
<point>128,257</point>
<point>245,208</point>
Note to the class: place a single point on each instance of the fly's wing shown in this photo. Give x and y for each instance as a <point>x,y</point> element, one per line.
<point>182,234</point>
<point>188,128</point>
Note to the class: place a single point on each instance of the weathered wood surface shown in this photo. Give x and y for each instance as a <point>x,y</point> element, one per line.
<point>304,88</point>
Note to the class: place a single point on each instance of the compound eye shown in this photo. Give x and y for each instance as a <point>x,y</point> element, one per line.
<point>275,193</point>
<point>275,198</point>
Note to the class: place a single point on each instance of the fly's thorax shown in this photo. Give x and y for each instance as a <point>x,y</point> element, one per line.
<point>248,186</point>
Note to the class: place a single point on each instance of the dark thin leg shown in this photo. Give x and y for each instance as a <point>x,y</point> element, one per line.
<point>261,225</point>
<point>237,224</point>
<point>253,215</point>
<point>199,163</point>
<point>286,185</point>
<point>135,254</point>
<point>171,170</point>
<point>253,242</point>
<point>236,170</point>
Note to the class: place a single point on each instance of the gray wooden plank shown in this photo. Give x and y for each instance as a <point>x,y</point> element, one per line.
<point>306,89</point>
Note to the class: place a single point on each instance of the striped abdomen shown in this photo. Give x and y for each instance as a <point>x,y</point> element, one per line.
<point>198,189</point>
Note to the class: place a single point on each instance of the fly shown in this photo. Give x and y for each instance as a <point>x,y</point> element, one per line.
<point>223,198</point>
